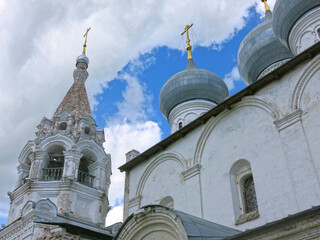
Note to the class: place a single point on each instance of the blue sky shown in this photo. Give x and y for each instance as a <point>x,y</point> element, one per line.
<point>134,47</point>
<point>167,62</point>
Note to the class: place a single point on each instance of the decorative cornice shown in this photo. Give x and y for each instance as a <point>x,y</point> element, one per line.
<point>135,201</point>
<point>246,217</point>
<point>288,120</point>
<point>193,171</point>
<point>219,109</point>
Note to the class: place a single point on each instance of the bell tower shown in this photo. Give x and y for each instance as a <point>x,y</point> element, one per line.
<point>64,173</point>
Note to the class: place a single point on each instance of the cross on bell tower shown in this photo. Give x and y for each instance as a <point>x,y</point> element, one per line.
<point>64,173</point>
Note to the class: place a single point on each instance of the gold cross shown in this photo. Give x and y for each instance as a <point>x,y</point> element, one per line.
<point>266,5</point>
<point>189,47</point>
<point>85,41</point>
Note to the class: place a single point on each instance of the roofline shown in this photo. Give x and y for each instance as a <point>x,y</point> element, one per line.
<point>172,210</point>
<point>294,218</point>
<point>227,104</point>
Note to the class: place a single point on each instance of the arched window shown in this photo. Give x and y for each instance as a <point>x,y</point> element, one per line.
<point>63,126</point>
<point>84,176</point>
<point>86,130</point>
<point>243,192</point>
<point>167,202</point>
<point>249,195</point>
<point>318,31</point>
<point>180,125</point>
<point>54,165</point>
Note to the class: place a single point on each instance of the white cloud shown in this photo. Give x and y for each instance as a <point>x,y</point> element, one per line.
<point>114,215</point>
<point>41,39</point>
<point>122,138</point>
<point>232,77</point>
<point>128,129</point>
<point>260,6</point>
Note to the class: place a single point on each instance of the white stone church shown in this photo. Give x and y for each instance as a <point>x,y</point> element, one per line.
<point>239,167</point>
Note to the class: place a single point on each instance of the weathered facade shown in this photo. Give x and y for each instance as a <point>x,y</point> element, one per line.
<point>63,174</point>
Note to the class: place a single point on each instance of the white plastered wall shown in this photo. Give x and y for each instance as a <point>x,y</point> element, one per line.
<point>277,130</point>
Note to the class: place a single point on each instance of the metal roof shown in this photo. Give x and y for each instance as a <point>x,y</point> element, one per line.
<point>260,49</point>
<point>227,104</point>
<point>189,84</point>
<point>195,228</point>
<point>287,13</point>
<point>198,228</point>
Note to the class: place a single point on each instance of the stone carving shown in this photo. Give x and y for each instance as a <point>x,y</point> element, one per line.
<point>247,217</point>
<point>70,169</point>
<point>80,74</point>
<point>271,68</point>
<point>46,206</point>
<point>64,203</point>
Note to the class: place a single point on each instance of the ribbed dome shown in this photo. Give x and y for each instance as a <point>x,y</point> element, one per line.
<point>260,49</point>
<point>287,13</point>
<point>189,84</point>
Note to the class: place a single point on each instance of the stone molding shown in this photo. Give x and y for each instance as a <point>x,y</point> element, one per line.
<point>149,222</point>
<point>169,156</point>
<point>135,201</point>
<point>18,230</point>
<point>246,217</point>
<point>248,101</point>
<point>194,108</point>
<point>288,120</point>
<point>193,171</point>
<point>309,71</point>
<point>272,67</point>
<point>308,24</point>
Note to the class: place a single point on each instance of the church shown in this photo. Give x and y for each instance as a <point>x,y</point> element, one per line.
<point>237,167</point>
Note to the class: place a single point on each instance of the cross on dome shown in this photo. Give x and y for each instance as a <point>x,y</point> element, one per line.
<point>189,47</point>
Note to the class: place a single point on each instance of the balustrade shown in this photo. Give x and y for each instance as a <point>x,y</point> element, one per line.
<point>85,178</point>
<point>52,174</point>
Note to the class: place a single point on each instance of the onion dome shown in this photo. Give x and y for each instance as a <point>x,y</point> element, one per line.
<point>259,50</point>
<point>82,61</point>
<point>287,13</point>
<point>190,84</point>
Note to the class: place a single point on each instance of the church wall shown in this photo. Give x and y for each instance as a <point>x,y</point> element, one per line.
<point>175,159</point>
<point>276,130</point>
<point>309,103</point>
<point>246,133</point>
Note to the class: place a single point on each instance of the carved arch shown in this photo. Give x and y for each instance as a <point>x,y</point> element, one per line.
<point>311,69</point>
<point>172,156</point>
<point>249,101</point>
<point>90,147</point>
<point>46,206</point>
<point>28,207</point>
<point>26,151</point>
<point>152,220</point>
<point>56,139</point>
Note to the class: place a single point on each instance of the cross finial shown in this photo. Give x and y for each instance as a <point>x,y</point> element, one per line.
<point>189,47</point>
<point>85,41</point>
<point>266,5</point>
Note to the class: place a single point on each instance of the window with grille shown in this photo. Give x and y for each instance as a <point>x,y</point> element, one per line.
<point>249,195</point>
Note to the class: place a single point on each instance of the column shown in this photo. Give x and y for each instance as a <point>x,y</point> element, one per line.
<point>71,164</point>
<point>23,172</point>
<point>299,161</point>
<point>38,159</point>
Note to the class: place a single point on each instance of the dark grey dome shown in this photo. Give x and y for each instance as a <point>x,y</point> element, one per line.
<point>260,49</point>
<point>191,83</point>
<point>287,13</point>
